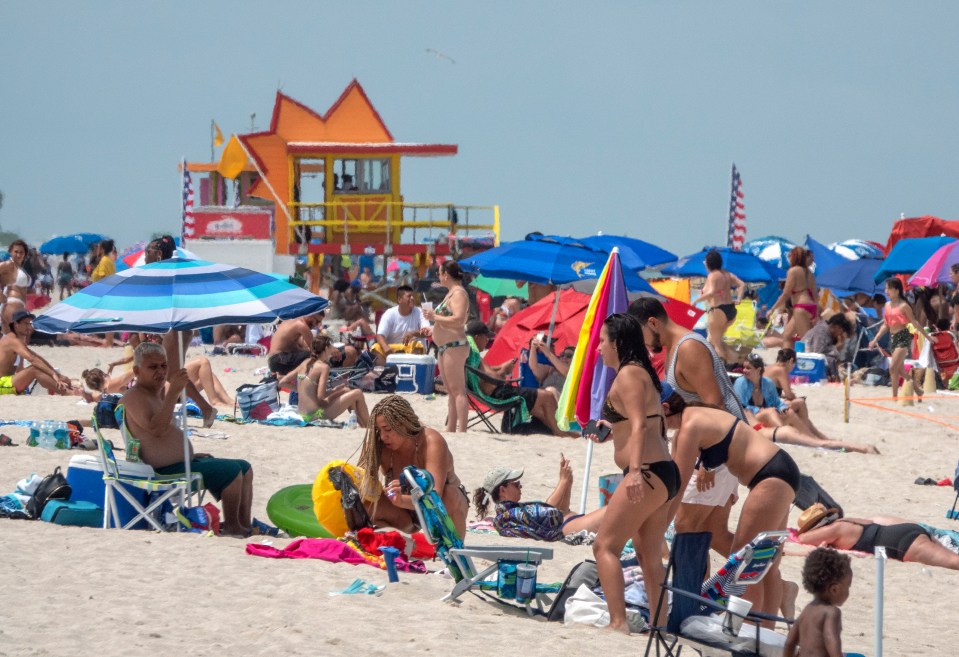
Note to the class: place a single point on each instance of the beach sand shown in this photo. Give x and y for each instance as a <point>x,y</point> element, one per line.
<point>76,591</point>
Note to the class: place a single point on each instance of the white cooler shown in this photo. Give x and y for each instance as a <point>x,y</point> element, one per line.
<point>416,372</point>
<point>85,477</point>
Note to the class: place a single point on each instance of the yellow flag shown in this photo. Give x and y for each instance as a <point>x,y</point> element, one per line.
<point>217,135</point>
<point>233,160</point>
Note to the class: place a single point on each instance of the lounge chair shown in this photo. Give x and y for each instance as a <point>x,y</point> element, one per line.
<point>439,530</point>
<point>688,562</point>
<point>486,408</point>
<point>161,489</point>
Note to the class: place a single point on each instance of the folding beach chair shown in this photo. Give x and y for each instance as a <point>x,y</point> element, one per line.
<point>688,562</point>
<point>742,335</point>
<point>161,489</point>
<point>945,351</point>
<point>440,531</point>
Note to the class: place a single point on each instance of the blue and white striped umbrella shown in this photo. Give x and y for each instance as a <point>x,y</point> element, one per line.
<point>177,295</point>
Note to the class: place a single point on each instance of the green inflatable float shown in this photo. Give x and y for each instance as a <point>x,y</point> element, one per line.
<point>291,509</point>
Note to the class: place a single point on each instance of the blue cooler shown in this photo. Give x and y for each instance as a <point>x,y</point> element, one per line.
<point>812,366</point>
<point>85,477</point>
<point>416,372</point>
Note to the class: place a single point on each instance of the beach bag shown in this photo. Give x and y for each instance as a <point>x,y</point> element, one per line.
<point>386,381</point>
<point>257,400</point>
<point>328,497</point>
<point>582,574</point>
<point>52,487</point>
<point>353,509</point>
<point>106,410</point>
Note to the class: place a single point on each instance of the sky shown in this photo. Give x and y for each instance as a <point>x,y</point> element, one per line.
<point>623,117</point>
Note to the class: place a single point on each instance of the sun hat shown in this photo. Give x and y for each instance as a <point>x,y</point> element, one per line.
<point>498,476</point>
<point>817,516</point>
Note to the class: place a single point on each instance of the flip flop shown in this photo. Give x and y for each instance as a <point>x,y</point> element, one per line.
<point>6,441</point>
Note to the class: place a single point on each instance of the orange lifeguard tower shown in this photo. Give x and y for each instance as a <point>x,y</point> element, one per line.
<point>333,184</point>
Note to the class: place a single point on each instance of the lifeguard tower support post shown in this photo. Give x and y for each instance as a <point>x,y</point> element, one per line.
<point>322,185</point>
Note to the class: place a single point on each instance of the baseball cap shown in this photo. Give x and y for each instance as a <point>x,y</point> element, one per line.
<point>666,392</point>
<point>498,475</point>
<point>22,314</point>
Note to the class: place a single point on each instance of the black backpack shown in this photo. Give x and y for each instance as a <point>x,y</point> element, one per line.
<point>52,487</point>
<point>582,573</point>
<point>106,411</point>
<point>353,509</point>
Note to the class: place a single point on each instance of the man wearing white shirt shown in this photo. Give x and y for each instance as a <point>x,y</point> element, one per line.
<point>400,328</point>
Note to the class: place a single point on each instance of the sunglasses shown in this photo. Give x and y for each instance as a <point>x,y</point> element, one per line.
<point>516,483</point>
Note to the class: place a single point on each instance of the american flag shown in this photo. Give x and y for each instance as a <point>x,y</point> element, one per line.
<point>737,214</point>
<point>188,225</point>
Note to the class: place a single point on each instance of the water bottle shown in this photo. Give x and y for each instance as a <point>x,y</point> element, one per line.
<point>34,438</point>
<point>351,421</point>
<point>47,439</point>
<point>62,435</point>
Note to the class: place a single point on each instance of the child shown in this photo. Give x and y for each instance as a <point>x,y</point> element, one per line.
<point>827,574</point>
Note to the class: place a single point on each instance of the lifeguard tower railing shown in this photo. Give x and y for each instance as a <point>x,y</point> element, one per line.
<point>365,225</point>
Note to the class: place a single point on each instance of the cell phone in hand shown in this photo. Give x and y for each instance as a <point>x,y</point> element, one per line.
<point>601,431</point>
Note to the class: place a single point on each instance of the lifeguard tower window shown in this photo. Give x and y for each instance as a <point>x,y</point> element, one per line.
<point>363,176</point>
<point>308,184</point>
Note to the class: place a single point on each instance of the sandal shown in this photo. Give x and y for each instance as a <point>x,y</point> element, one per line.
<point>6,441</point>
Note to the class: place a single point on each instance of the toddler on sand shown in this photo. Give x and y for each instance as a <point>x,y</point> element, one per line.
<point>827,574</point>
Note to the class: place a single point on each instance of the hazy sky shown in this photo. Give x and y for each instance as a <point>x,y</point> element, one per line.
<point>573,117</point>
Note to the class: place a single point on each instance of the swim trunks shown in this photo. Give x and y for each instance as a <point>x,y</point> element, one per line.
<point>217,473</point>
<point>284,362</point>
<point>7,387</point>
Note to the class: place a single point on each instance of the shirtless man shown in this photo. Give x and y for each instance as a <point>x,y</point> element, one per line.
<point>15,375</point>
<point>723,290</point>
<point>291,343</point>
<point>149,416</point>
<point>695,371</point>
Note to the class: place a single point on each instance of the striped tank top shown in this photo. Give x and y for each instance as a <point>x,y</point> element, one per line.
<point>730,401</point>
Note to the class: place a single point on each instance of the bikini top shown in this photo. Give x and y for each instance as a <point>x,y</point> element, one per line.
<point>716,455</point>
<point>613,416</point>
<point>23,278</point>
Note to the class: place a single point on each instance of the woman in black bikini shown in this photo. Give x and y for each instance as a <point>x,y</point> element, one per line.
<point>712,437</point>
<point>639,507</point>
<point>394,440</point>
<point>718,290</point>
<point>903,540</point>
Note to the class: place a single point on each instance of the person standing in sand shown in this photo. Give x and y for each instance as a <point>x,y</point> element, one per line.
<point>719,291</point>
<point>149,416</point>
<point>827,574</point>
<point>697,373</point>
<point>449,333</point>
<point>800,289</point>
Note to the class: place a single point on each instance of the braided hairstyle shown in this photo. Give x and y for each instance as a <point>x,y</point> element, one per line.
<point>398,413</point>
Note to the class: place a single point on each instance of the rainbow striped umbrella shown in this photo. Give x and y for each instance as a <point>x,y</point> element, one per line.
<point>589,379</point>
<point>178,295</point>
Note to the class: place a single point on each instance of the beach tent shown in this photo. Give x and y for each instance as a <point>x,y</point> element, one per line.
<point>925,226</point>
<point>909,254</point>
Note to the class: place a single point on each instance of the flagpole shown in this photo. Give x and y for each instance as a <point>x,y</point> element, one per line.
<point>212,139</point>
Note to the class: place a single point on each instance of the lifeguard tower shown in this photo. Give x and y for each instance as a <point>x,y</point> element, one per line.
<point>331,184</point>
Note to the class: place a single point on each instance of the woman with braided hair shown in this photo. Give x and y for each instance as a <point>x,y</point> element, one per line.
<point>394,440</point>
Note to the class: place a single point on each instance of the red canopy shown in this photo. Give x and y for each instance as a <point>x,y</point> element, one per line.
<point>522,326</point>
<point>926,226</point>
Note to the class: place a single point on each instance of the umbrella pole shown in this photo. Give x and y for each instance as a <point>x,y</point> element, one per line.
<point>552,319</point>
<point>185,496</point>
<point>589,463</point>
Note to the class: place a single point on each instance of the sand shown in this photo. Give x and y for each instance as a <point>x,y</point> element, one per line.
<point>75,591</point>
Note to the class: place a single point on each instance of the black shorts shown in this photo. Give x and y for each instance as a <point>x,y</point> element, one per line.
<point>506,391</point>
<point>285,362</point>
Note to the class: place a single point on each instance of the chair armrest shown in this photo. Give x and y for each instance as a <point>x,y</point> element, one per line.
<point>753,616</point>
<point>490,379</point>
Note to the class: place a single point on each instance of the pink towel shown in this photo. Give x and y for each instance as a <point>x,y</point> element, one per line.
<point>329,549</point>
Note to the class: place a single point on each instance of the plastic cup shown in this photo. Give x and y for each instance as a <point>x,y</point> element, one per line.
<point>426,305</point>
<point>733,621</point>
<point>800,347</point>
<point>525,582</point>
<point>389,556</point>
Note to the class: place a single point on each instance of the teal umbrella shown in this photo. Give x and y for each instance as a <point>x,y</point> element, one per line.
<point>500,287</point>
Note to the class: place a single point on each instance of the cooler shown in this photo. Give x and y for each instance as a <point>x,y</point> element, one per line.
<point>812,366</point>
<point>416,372</point>
<point>85,477</point>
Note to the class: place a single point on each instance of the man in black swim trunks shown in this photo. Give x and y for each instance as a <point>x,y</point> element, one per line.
<point>149,416</point>
<point>291,342</point>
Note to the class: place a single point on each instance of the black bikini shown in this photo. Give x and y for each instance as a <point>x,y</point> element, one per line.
<point>780,466</point>
<point>716,455</point>
<point>667,471</point>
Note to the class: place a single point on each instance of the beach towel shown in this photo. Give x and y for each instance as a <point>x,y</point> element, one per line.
<point>333,550</point>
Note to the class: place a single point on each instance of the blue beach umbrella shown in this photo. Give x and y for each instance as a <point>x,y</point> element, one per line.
<point>824,257</point>
<point>634,253</point>
<point>851,277</point>
<point>746,266</point>
<point>909,254</point>
<point>773,249</point>
<point>543,260</point>
<point>178,295</point>
<point>76,243</point>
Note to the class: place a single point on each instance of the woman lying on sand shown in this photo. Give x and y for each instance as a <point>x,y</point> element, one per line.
<point>545,521</point>
<point>903,540</point>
